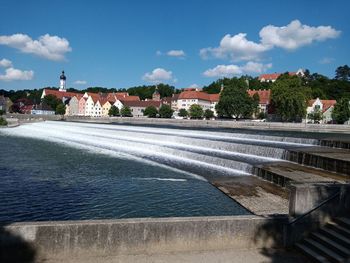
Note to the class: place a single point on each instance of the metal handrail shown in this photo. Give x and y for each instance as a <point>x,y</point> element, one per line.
<point>315,208</point>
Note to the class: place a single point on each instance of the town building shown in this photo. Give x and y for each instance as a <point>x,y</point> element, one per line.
<point>42,109</point>
<point>264,98</point>
<point>274,76</point>
<point>62,82</point>
<point>5,103</point>
<point>324,106</point>
<point>138,107</point>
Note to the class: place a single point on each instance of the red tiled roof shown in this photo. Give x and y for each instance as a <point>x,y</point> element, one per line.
<point>142,103</point>
<point>274,76</point>
<point>61,94</point>
<point>264,95</point>
<point>214,97</point>
<point>128,98</point>
<point>326,104</point>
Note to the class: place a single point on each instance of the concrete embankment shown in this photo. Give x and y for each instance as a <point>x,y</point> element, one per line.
<point>102,238</point>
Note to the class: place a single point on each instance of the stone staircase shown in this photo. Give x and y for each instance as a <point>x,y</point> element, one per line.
<point>330,243</point>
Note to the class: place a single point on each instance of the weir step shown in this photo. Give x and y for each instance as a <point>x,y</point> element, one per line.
<point>329,244</point>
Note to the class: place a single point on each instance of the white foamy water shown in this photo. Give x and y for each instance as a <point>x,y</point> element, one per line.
<point>196,152</point>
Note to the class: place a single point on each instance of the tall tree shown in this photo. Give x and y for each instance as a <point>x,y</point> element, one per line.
<point>52,101</point>
<point>289,98</point>
<point>341,111</point>
<point>342,73</point>
<point>234,100</point>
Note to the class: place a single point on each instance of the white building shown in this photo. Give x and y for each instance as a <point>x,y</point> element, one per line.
<point>324,106</point>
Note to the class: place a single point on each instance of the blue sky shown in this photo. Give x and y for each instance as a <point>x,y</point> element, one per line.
<point>184,42</point>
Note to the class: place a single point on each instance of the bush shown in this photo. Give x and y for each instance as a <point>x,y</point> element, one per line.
<point>113,111</point>
<point>208,114</point>
<point>126,111</point>
<point>3,122</point>
<point>261,115</point>
<point>196,111</point>
<point>183,113</point>
<point>165,111</point>
<point>150,112</point>
<point>2,112</point>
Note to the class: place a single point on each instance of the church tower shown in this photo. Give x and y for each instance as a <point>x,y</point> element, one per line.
<point>156,95</point>
<point>62,82</point>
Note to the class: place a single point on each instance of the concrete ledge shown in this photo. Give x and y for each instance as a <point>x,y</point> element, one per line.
<point>96,238</point>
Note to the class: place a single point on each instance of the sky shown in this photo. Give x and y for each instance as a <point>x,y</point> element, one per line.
<point>184,43</point>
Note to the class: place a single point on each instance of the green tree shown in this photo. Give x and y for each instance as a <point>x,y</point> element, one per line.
<point>165,111</point>
<point>60,109</point>
<point>183,113</point>
<point>342,73</point>
<point>52,101</point>
<point>234,100</point>
<point>316,116</point>
<point>126,111</point>
<point>113,111</point>
<point>3,122</point>
<point>208,114</point>
<point>341,111</point>
<point>261,115</point>
<point>196,111</point>
<point>2,112</point>
<point>150,112</point>
<point>289,98</point>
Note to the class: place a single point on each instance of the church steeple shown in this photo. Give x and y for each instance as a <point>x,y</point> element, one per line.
<point>62,82</point>
<point>156,95</point>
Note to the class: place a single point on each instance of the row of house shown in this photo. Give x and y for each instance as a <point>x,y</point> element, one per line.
<point>99,104</point>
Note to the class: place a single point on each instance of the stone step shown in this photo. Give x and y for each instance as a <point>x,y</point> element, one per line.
<point>339,238</point>
<point>339,229</point>
<point>329,159</point>
<point>312,254</point>
<point>343,221</point>
<point>331,244</point>
<point>331,255</point>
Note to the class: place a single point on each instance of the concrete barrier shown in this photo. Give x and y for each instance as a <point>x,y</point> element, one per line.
<point>100,238</point>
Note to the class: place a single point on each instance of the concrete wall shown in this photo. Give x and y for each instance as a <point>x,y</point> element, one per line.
<point>98,238</point>
<point>304,197</point>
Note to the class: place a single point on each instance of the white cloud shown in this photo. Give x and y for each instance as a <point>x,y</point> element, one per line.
<point>176,53</point>
<point>234,48</point>
<point>290,37</point>
<point>80,82</point>
<point>232,70</point>
<point>295,35</point>
<point>326,60</point>
<point>158,75</point>
<point>16,74</point>
<point>5,63</point>
<point>49,47</point>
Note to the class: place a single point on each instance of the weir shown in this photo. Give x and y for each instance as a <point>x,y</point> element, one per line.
<point>256,170</point>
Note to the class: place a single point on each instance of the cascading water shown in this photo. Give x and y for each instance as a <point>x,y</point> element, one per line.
<point>200,152</point>
<point>67,171</point>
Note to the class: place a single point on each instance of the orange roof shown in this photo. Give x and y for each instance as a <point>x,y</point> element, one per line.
<point>61,94</point>
<point>326,104</point>
<point>214,97</point>
<point>274,76</point>
<point>128,98</point>
<point>264,95</point>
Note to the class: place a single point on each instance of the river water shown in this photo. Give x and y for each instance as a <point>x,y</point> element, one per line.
<point>73,171</point>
